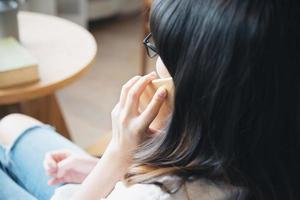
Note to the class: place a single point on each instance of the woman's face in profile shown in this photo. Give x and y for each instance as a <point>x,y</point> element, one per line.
<point>161,69</point>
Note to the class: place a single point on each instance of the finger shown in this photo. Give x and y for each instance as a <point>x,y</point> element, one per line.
<point>51,172</point>
<point>135,92</point>
<point>60,155</point>
<point>126,87</point>
<point>152,131</point>
<point>49,164</point>
<point>153,108</point>
<point>115,111</point>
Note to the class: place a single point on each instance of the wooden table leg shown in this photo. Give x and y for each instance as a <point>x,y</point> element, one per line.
<point>47,110</point>
<point>7,109</point>
<point>146,30</point>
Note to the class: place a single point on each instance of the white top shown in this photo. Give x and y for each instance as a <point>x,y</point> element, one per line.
<point>197,190</point>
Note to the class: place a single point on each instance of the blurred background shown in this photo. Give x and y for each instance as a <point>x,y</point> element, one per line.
<point>119,27</point>
<point>83,11</point>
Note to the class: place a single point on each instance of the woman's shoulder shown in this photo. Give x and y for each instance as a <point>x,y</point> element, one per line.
<point>196,190</point>
<point>137,192</point>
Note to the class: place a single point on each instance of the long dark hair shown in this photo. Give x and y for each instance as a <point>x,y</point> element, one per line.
<point>236,69</point>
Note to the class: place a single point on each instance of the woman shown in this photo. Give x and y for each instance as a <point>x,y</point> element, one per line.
<point>233,132</point>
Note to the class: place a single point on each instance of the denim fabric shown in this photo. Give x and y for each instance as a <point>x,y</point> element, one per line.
<point>10,190</point>
<point>22,176</point>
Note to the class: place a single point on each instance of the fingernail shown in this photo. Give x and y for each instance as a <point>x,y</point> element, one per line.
<point>162,92</point>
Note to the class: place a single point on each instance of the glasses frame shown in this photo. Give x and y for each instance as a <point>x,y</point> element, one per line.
<point>149,46</point>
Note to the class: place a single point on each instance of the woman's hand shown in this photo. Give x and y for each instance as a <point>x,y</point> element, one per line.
<point>130,127</point>
<point>65,166</point>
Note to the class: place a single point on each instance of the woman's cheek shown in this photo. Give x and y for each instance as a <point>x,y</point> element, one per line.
<point>161,69</point>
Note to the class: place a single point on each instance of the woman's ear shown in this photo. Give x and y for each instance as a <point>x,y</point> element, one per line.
<point>168,84</point>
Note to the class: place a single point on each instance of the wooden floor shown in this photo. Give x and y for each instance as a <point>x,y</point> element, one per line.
<point>87,103</point>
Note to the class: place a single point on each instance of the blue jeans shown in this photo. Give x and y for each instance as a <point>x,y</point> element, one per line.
<point>22,176</point>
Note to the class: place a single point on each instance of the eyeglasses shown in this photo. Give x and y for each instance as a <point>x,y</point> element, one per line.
<point>150,47</point>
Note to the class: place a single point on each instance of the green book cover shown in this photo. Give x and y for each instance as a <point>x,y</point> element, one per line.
<point>14,56</point>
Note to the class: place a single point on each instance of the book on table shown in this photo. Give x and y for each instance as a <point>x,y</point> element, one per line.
<point>17,65</point>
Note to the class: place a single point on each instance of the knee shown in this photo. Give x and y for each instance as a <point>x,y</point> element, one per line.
<point>12,125</point>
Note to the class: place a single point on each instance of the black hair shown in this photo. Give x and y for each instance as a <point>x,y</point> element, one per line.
<point>236,70</point>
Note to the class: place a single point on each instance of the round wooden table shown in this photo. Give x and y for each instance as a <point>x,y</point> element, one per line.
<point>64,52</point>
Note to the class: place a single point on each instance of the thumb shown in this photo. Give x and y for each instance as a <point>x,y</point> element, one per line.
<point>50,166</point>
